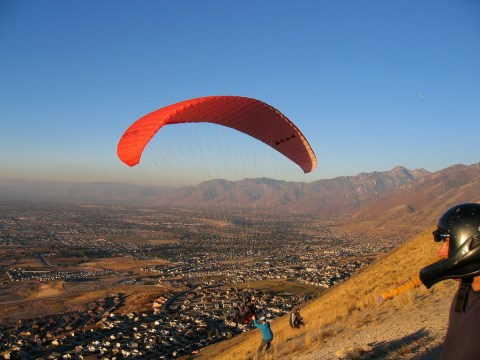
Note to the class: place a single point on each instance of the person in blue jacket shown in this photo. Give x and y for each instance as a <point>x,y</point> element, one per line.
<point>267,334</point>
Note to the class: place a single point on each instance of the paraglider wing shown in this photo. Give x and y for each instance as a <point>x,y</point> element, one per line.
<point>250,116</point>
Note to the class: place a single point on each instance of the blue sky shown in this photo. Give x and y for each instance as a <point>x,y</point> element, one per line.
<point>372,84</point>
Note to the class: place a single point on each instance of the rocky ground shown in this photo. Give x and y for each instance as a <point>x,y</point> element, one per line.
<point>414,331</point>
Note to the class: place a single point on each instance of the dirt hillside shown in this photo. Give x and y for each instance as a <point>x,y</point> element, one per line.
<point>347,322</point>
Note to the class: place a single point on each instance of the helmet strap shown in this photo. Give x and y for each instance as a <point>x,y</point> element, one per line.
<point>462,295</point>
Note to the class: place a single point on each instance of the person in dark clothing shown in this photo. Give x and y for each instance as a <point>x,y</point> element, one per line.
<point>267,334</point>
<point>249,309</point>
<point>459,231</point>
<point>295,320</point>
<point>244,313</point>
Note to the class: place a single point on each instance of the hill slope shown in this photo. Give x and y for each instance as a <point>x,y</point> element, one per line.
<point>407,209</point>
<point>347,322</point>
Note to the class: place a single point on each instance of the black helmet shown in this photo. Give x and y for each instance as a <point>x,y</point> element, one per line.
<point>462,224</point>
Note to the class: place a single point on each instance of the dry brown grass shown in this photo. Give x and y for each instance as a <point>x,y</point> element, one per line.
<point>123,263</point>
<point>279,285</point>
<point>48,289</point>
<point>348,305</point>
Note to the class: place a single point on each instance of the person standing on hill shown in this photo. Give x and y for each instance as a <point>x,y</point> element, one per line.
<point>267,334</point>
<point>458,230</point>
<point>295,320</point>
<point>248,310</point>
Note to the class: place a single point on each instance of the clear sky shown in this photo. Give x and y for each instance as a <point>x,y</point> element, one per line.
<point>372,84</point>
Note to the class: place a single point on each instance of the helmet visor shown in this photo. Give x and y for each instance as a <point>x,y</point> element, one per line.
<point>439,235</point>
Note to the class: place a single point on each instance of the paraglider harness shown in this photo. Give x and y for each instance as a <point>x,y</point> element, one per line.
<point>243,314</point>
<point>462,295</point>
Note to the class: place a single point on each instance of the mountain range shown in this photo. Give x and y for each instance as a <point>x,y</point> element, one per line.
<point>389,202</point>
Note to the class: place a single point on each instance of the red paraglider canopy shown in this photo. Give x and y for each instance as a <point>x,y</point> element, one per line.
<point>250,116</point>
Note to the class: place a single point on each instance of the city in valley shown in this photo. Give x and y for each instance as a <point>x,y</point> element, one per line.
<point>119,282</point>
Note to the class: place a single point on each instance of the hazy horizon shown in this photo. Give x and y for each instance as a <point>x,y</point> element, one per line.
<point>180,185</point>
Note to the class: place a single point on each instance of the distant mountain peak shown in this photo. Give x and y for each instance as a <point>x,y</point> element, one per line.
<point>366,196</point>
